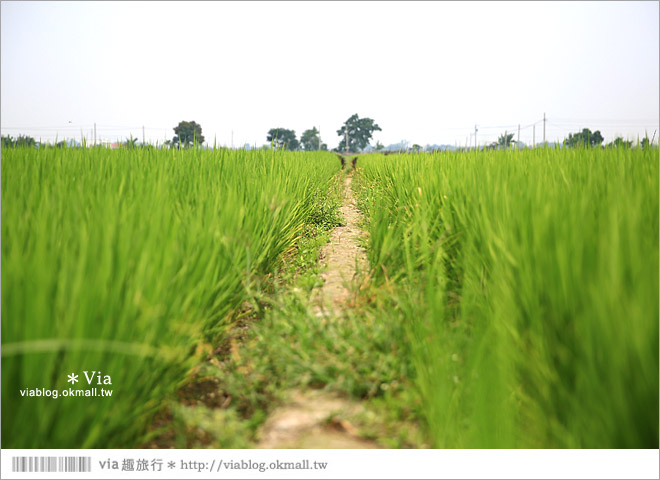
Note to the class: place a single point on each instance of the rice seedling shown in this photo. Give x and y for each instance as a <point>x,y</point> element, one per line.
<point>528,281</point>
<point>128,263</point>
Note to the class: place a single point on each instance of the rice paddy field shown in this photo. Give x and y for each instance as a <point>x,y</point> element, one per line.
<point>130,262</point>
<point>528,285</point>
<point>512,298</point>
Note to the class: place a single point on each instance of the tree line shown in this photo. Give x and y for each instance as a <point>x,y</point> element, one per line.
<point>584,138</point>
<point>356,132</point>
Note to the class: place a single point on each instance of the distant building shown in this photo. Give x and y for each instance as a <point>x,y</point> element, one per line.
<point>110,145</point>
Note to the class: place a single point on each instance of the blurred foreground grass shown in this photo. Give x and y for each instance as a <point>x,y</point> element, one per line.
<point>129,263</point>
<point>528,286</point>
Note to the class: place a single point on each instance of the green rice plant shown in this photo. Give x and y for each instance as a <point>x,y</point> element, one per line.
<point>529,285</point>
<point>129,263</point>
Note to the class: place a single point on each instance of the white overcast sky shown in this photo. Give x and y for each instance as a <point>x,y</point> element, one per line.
<point>426,72</point>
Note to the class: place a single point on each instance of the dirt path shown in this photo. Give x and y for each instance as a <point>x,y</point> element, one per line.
<point>344,258</point>
<point>315,419</point>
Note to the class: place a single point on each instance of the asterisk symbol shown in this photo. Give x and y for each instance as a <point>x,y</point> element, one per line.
<point>73,378</point>
<point>171,464</point>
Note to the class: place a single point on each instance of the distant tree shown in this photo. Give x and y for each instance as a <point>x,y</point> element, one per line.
<point>505,140</point>
<point>25,141</point>
<point>282,138</point>
<point>21,141</point>
<point>358,131</point>
<point>646,143</point>
<point>310,140</point>
<point>187,134</point>
<point>619,142</point>
<point>416,148</point>
<point>585,137</point>
<point>379,146</point>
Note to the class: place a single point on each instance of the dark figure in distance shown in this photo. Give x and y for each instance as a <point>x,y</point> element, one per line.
<point>343,161</point>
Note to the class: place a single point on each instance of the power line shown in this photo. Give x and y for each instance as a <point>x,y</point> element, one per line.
<point>87,126</point>
<point>67,127</point>
<point>606,120</point>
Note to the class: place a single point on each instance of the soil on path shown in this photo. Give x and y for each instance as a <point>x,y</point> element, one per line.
<point>344,257</point>
<point>315,419</point>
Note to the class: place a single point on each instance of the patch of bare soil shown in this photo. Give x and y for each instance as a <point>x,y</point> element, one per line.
<point>313,420</point>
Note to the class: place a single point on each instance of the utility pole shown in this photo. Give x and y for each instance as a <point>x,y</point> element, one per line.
<point>346,137</point>
<point>544,129</point>
<point>232,139</point>
<point>518,142</point>
<point>475,137</point>
<point>94,133</point>
<point>534,136</point>
<point>319,137</point>
<point>142,134</point>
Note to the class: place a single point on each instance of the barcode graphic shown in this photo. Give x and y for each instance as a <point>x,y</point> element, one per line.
<point>51,464</point>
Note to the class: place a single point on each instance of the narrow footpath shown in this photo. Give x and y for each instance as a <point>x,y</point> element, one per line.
<point>344,258</point>
<point>312,365</point>
<point>314,419</point>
